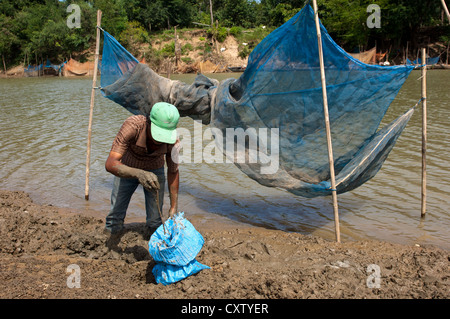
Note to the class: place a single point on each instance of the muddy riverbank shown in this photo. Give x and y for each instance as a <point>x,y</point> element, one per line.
<point>39,242</point>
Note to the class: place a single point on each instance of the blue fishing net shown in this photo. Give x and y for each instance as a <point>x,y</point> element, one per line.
<point>34,70</point>
<point>56,67</point>
<point>278,104</point>
<point>430,61</point>
<point>116,61</point>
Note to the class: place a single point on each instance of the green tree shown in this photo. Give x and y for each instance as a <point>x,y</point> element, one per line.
<point>37,29</point>
<point>29,21</point>
<point>346,20</point>
<point>7,39</point>
<point>133,36</point>
<point>114,15</point>
<point>401,19</point>
<point>282,13</point>
<point>162,14</point>
<point>235,13</point>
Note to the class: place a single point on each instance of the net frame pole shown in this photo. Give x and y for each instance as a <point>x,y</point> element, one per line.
<point>91,112</point>
<point>327,125</point>
<point>446,10</point>
<point>423,209</point>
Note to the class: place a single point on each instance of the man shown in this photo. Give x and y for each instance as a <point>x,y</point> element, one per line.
<point>137,157</point>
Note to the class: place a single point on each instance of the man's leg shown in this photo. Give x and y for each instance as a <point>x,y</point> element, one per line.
<point>123,189</point>
<point>153,220</point>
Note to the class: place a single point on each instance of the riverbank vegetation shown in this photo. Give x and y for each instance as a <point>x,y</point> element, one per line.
<point>33,31</point>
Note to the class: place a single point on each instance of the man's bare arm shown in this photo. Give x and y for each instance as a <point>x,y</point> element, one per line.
<point>114,165</point>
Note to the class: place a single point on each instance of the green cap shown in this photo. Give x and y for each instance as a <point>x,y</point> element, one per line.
<point>164,118</point>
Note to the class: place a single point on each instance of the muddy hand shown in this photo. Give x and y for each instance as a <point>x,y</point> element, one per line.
<point>148,180</point>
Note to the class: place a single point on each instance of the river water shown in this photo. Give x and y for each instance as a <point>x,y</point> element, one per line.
<point>43,140</point>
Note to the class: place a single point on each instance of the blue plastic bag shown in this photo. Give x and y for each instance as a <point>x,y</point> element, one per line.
<point>179,245</point>
<point>174,247</point>
<point>168,274</point>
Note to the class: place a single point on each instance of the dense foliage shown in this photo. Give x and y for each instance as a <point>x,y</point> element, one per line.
<point>33,31</point>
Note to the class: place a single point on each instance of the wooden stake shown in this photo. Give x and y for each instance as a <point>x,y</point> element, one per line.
<point>424,135</point>
<point>94,81</point>
<point>211,12</point>
<point>177,47</point>
<point>327,125</point>
<point>4,65</point>
<point>446,10</point>
<point>448,44</point>
<point>169,68</point>
<point>406,52</point>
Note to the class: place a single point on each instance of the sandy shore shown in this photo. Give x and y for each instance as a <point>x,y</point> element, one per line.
<point>39,242</point>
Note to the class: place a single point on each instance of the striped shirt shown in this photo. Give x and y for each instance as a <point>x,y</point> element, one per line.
<point>137,151</point>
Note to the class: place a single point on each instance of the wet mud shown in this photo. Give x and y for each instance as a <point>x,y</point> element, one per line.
<point>39,243</point>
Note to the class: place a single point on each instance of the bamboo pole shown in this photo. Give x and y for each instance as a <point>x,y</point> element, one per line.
<point>177,47</point>
<point>94,82</point>
<point>169,68</point>
<point>424,135</point>
<point>327,125</point>
<point>4,65</point>
<point>407,42</point>
<point>448,44</point>
<point>211,13</point>
<point>446,10</point>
